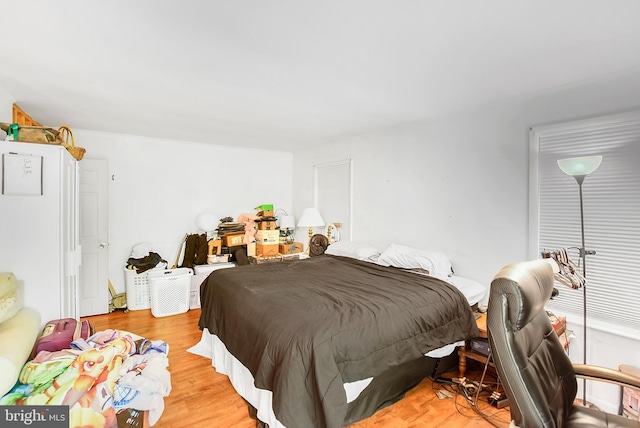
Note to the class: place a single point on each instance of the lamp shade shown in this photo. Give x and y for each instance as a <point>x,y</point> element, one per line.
<point>287,222</point>
<point>580,166</point>
<point>310,218</point>
<point>206,221</point>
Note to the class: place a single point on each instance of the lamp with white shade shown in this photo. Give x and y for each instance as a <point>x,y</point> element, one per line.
<point>287,223</point>
<point>207,221</point>
<point>310,218</point>
<point>579,168</point>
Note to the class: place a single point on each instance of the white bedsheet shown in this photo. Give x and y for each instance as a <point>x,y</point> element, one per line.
<point>472,290</point>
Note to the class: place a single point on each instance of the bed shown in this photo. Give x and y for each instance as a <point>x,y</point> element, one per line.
<point>327,341</point>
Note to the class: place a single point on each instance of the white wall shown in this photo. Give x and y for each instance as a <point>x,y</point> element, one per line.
<point>6,103</point>
<point>160,186</point>
<point>459,184</point>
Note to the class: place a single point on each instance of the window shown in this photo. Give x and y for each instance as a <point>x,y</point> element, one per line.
<point>611,199</point>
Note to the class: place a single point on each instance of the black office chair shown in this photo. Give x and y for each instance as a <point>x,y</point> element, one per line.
<point>537,375</point>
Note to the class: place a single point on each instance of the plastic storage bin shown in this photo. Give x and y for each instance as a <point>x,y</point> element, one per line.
<point>137,287</point>
<point>201,273</point>
<point>169,290</point>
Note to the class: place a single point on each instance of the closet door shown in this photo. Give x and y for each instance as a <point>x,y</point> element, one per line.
<point>333,194</point>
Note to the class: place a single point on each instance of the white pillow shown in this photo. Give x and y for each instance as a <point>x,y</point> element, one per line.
<point>354,250</point>
<point>400,256</point>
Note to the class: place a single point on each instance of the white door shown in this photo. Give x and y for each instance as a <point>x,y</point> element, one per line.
<point>333,196</point>
<point>94,210</point>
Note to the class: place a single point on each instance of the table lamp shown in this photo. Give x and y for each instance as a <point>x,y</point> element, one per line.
<point>310,218</point>
<point>287,223</point>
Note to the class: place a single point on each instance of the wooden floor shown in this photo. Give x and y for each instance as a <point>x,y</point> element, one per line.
<point>200,397</point>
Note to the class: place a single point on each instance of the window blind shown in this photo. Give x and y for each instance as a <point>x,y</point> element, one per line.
<point>611,200</point>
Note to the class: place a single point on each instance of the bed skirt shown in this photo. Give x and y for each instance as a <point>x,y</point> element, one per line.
<point>364,397</point>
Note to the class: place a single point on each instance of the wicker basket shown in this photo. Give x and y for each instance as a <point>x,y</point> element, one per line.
<point>69,143</point>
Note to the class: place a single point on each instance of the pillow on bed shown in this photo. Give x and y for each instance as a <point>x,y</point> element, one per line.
<point>399,256</point>
<point>354,250</point>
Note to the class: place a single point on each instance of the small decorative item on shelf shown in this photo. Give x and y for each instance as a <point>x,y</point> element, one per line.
<point>318,244</point>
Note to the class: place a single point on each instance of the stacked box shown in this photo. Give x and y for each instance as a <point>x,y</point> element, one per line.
<point>266,225</point>
<point>285,249</point>
<point>265,210</point>
<point>267,250</point>
<point>232,239</point>
<point>268,237</point>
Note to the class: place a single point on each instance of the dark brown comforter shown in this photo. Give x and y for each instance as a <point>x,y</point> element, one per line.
<point>304,328</point>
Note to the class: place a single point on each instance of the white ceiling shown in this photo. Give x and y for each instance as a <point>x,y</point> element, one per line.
<point>284,74</point>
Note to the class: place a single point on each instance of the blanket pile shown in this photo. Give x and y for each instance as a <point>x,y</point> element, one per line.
<point>110,371</point>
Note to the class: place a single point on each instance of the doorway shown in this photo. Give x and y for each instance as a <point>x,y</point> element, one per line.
<point>94,234</point>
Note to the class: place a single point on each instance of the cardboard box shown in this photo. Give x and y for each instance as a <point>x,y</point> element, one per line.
<point>559,324</point>
<point>266,225</point>
<point>285,249</point>
<point>264,210</point>
<point>217,258</point>
<point>630,397</point>
<point>215,246</point>
<point>232,239</point>
<point>267,250</point>
<point>267,237</point>
<point>251,249</point>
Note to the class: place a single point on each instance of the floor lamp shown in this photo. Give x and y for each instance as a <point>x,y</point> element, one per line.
<point>579,168</point>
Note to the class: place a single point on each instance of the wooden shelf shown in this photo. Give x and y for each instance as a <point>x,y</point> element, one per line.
<point>464,353</point>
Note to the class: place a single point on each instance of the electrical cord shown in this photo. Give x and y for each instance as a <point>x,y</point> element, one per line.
<point>494,396</point>
<point>470,391</point>
<point>474,393</point>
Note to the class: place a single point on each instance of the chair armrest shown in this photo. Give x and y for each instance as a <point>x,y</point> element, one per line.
<point>604,374</point>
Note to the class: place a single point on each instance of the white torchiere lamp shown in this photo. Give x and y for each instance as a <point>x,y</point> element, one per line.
<point>310,218</point>
<point>579,168</point>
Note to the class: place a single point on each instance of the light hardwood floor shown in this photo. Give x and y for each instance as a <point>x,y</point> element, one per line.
<point>200,397</point>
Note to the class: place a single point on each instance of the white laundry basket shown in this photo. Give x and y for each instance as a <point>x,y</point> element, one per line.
<point>137,287</point>
<point>169,290</point>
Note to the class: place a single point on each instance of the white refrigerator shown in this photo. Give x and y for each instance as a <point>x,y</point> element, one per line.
<point>39,227</point>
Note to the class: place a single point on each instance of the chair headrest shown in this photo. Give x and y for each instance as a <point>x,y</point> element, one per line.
<point>531,282</point>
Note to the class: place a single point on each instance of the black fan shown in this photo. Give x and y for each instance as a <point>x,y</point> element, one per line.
<point>317,244</point>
